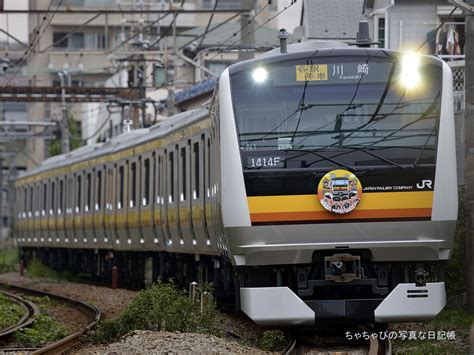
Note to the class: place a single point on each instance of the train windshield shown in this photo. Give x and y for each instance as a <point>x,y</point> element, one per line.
<point>338,111</point>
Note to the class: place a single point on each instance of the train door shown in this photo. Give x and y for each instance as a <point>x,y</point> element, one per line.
<point>122,205</point>
<point>198,193</point>
<point>110,206</point>
<point>99,205</point>
<point>146,201</point>
<point>43,235</point>
<point>184,210</point>
<point>133,214</point>
<point>159,211</point>
<point>208,198</point>
<point>60,211</point>
<point>78,208</point>
<point>88,211</point>
<point>52,216</point>
<point>172,204</point>
<point>70,234</point>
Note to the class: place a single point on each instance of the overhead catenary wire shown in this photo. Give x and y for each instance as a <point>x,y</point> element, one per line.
<point>39,34</point>
<point>251,32</point>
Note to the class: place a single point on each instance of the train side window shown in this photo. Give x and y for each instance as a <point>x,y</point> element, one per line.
<point>133,195</point>
<point>159,169</point>
<point>45,197</point>
<point>88,190</point>
<point>98,195</point>
<point>121,187</point>
<point>110,185</point>
<point>208,167</point>
<point>171,176</point>
<point>183,196</point>
<point>53,196</point>
<point>24,210</point>
<point>61,196</point>
<point>78,192</point>
<point>30,210</point>
<point>196,170</point>
<point>146,188</point>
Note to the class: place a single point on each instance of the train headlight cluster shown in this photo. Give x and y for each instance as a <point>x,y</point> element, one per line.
<point>260,75</point>
<point>410,76</point>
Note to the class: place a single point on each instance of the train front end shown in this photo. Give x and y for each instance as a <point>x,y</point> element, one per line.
<point>338,186</point>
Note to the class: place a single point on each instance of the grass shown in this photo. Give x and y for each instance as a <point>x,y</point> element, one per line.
<point>272,340</point>
<point>9,260</point>
<point>43,330</point>
<point>36,269</point>
<point>161,307</point>
<point>10,312</point>
<point>450,319</point>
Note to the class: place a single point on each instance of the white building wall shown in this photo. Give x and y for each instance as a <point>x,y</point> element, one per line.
<point>409,24</point>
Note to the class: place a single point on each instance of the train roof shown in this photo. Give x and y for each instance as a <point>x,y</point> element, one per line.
<point>123,141</point>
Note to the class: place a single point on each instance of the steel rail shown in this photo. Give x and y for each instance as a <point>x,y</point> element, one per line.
<point>71,340</point>
<point>31,311</point>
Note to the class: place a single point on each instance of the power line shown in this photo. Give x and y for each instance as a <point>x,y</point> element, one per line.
<point>38,37</point>
<point>255,30</point>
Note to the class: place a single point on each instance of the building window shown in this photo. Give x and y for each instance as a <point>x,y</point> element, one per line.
<point>223,4</point>
<point>380,30</point>
<point>62,40</point>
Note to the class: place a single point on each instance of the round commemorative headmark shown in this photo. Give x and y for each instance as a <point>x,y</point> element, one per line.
<point>339,191</point>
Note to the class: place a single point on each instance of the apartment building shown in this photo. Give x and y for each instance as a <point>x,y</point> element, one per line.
<point>90,48</point>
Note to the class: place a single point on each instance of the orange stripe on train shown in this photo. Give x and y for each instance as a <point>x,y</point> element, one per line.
<point>324,215</point>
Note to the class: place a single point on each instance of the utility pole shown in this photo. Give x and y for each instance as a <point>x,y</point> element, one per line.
<point>65,119</point>
<point>170,103</point>
<point>469,151</point>
<point>247,28</point>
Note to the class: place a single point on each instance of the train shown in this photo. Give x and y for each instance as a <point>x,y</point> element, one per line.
<point>318,184</point>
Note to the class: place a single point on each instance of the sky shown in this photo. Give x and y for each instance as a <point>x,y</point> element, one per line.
<point>16,24</point>
<point>291,17</point>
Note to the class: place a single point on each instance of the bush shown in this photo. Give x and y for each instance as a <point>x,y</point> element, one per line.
<point>272,340</point>
<point>161,306</point>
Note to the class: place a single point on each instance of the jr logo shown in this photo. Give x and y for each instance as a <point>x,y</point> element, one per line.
<point>425,184</point>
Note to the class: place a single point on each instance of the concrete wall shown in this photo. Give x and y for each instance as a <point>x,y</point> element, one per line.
<point>336,19</point>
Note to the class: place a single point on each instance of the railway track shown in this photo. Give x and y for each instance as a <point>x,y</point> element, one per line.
<point>30,311</point>
<point>70,342</point>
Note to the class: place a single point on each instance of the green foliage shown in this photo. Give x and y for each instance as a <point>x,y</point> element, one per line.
<point>10,312</point>
<point>272,340</point>
<point>36,269</point>
<point>75,139</point>
<point>449,319</point>
<point>456,269</point>
<point>161,306</point>
<point>8,260</point>
<point>43,330</point>
<point>9,257</point>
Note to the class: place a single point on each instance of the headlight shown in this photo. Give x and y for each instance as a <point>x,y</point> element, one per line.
<point>410,71</point>
<point>260,75</point>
